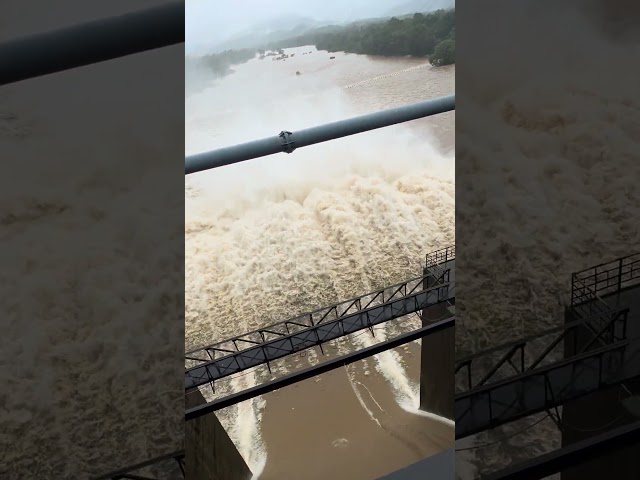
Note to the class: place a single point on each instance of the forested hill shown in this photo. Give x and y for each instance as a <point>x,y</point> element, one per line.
<point>429,35</point>
<point>423,35</point>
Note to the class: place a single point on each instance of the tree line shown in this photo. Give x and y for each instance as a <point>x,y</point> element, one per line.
<point>429,35</point>
<point>221,63</point>
<point>421,35</point>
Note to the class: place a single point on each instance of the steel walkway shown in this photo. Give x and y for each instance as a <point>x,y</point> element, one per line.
<point>316,328</point>
<point>488,396</point>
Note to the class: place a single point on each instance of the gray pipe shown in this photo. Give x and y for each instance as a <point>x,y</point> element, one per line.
<point>91,42</point>
<point>288,142</point>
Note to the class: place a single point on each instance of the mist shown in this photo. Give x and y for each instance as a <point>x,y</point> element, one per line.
<point>210,23</point>
<point>276,236</point>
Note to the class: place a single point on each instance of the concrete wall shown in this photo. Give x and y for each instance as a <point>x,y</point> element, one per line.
<point>209,452</point>
<point>437,386</point>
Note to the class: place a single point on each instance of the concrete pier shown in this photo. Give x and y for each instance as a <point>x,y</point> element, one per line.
<point>437,369</point>
<point>209,452</point>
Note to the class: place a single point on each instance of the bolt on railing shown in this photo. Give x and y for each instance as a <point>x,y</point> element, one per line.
<point>287,141</point>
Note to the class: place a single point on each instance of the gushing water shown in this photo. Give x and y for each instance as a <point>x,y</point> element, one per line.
<point>281,235</point>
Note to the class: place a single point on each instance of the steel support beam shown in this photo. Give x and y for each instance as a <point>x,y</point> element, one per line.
<point>577,453</point>
<point>306,320</point>
<point>91,42</point>
<point>126,472</point>
<point>323,367</point>
<point>315,335</point>
<point>287,141</point>
<point>529,354</point>
<point>538,390</point>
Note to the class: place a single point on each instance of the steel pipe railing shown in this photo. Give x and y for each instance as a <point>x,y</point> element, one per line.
<point>574,454</point>
<point>287,141</point>
<point>91,42</point>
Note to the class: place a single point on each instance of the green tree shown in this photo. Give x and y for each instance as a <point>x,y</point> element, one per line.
<point>444,54</point>
<point>417,35</point>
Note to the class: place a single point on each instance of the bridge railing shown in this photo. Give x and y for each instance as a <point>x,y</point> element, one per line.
<point>440,256</point>
<point>605,279</point>
<point>535,351</point>
<point>288,141</point>
<point>282,345</point>
<point>306,320</point>
<point>535,391</point>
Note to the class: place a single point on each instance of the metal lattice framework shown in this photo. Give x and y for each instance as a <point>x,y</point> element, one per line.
<point>488,396</point>
<point>316,328</point>
<point>527,354</point>
<point>536,388</point>
<point>358,313</point>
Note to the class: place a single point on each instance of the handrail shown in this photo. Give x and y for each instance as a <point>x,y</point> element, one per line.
<point>440,256</point>
<point>318,315</point>
<point>605,279</point>
<point>262,352</point>
<point>562,332</point>
<point>288,142</point>
<point>92,42</point>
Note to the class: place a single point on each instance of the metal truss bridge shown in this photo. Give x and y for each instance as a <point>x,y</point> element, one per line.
<point>524,377</point>
<point>316,328</point>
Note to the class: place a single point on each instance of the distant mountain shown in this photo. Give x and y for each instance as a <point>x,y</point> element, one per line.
<point>423,6</point>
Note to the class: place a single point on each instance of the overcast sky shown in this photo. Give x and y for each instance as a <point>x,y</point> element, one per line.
<point>212,21</point>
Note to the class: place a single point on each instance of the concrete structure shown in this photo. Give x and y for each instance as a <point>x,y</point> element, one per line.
<point>609,408</point>
<point>210,453</point>
<point>437,369</point>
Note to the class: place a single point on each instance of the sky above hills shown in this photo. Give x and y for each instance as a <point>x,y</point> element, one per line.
<point>210,23</point>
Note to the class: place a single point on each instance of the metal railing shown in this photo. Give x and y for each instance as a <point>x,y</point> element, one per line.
<point>440,256</point>
<point>527,354</point>
<point>408,298</point>
<point>306,320</point>
<point>287,141</point>
<point>605,279</point>
<point>492,396</point>
<point>531,392</point>
<point>91,42</point>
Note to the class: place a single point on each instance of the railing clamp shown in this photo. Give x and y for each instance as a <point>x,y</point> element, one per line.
<point>287,142</point>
